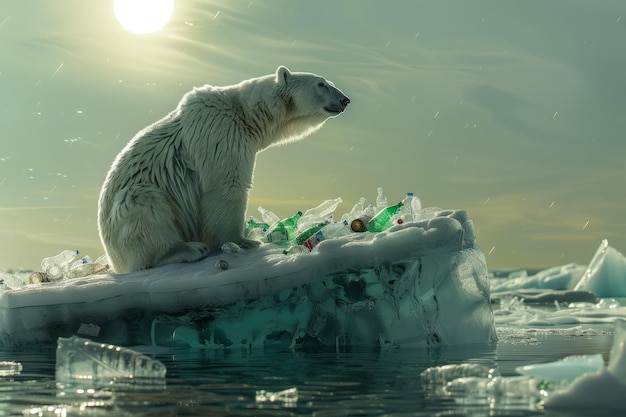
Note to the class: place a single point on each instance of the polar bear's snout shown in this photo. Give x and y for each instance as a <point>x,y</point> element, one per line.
<point>338,105</point>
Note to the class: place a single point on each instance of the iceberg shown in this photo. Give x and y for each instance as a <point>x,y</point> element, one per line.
<point>419,283</point>
<point>606,273</point>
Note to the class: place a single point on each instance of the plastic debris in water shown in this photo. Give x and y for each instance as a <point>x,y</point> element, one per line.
<point>288,396</point>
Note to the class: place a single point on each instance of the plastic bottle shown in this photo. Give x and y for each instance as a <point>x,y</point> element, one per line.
<point>411,207</point>
<point>56,266</point>
<point>359,224</point>
<point>302,237</point>
<point>383,219</point>
<point>381,200</point>
<point>356,210</point>
<point>284,231</point>
<point>290,225</point>
<point>329,231</point>
<point>254,226</point>
<point>317,214</point>
<point>269,217</point>
<point>334,230</point>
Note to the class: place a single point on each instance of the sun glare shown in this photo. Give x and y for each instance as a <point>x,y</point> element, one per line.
<point>143,16</point>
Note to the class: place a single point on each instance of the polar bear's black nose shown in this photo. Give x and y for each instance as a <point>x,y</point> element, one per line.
<point>345,101</point>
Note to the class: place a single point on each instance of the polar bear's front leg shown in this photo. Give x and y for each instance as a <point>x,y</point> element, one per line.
<point>224,219</point>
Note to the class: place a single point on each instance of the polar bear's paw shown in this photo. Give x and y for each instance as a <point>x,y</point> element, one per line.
<point>249,244</point>
<point>187,252</point>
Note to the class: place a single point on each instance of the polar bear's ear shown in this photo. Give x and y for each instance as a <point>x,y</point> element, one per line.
<point>282,75</point>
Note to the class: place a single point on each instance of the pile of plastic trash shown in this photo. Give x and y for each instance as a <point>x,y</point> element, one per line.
<point>303,231</point>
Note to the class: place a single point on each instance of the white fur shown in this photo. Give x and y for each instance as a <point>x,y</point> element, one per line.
<point>180,187</point>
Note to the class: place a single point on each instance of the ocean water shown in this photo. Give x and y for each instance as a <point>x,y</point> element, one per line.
<point>224,382</point>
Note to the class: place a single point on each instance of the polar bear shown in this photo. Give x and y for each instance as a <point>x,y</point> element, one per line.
<point>179,188</point>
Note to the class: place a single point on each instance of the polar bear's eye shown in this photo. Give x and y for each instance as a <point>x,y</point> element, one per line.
<point>321,84</point>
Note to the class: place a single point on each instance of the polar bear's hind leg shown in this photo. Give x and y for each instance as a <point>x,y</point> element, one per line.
<point>143,233</point>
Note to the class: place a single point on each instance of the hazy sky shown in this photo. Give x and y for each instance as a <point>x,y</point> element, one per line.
<point>514,111</point>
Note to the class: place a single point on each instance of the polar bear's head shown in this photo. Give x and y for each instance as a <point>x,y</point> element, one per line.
<point>310,100</point>
<point>312,94</point>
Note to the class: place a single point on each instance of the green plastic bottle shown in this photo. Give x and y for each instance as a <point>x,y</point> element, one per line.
<point>382,219</point>
<point>253,226</point>
<point>284,231</point>
<point>302,237</point>
<point>290,225</point>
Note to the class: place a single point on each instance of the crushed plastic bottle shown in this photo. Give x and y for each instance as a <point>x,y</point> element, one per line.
<point>56,266</point>
<point>87,363</point>
<point>383,219</point>
<point>318,214</point>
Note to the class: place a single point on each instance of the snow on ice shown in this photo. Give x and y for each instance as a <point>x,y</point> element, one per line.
<point>418,283</point>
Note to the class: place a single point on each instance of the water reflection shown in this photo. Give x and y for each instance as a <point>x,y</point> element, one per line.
<point>227,382</point>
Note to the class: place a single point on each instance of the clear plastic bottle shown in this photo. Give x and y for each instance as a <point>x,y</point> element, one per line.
<point>381,200</point>
<point>359,224</point>
<point>330,231</point>
<point>56,266</point>
<point>356,210</point>
<point>317,214</point>
<point>335,230</point>
<point>383,219</point>
<point>269,217</point>
<point>411,207</point>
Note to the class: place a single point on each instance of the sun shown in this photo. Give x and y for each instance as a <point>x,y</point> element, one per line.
<point>143,16</point>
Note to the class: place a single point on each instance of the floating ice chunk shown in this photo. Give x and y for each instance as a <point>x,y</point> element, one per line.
<point>288,396</point>
<point>605,388</point>
<point>556,278</point>
<point>10,368</point>
<point>87,363</point>
<point>446,373</point>
<point>566,369</point>
<point>606,273</point>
